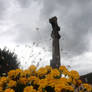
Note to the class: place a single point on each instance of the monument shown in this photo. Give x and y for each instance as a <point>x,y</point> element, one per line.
<point>55,62</point>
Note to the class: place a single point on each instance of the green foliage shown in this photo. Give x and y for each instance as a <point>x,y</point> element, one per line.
<point>8,61</point>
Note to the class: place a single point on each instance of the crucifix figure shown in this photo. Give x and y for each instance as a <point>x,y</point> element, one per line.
<point>55,62</point>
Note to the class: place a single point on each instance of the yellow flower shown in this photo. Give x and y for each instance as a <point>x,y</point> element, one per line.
<point>12,83</point>
<point>43,77</point>
<point>50,79</point>
<point>14,73</point>
<point>31,78</point>
<point>48,68</point>
<point>52,82</point>
<point>1,84</point>
<point>59,87</point>
<point>40,89</point>
<point>18,71</point>
<point>55,72</point>
<point>74,74</point>
<point>74,81</point>
<point>79,82</point>
<point>62,68</point>
<point>29,89</point>
<point>42,71</point>
<point>34,79</point>
<point>60,84</point>
<point>66,72</point>
<point>61,81</point>
<point>69,80</point>
<point>32,68</point>
<point>1,89</point>
<point>9,90</point>
<point>3,79</point>
<point>87,86</point>
<point>23,80</point>
<point>69,88</point>
<point>81,91</point>
<point>25,73</point>
<point>43,83</point>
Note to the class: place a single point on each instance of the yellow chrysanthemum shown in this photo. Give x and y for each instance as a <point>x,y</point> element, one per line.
<point>66,72</point>
<point>9,90</point>
<point>32,68</point>
<point>74,74</point>
<point>42,71</point>
<point>18,71</point>
<point>74,81</point>
<point>31,78</point>
<point>55,72</point>
<point>12,83</point>
<point>69,88</point>
<point>59,87</point>
<point>1,84</point>
<point>12,74</point>
<point>42,78</point>
<point>23,80</point>
<point>62,68</point>
<point>3,79</point>
<point>49,77</point>
<point>1,89</point>
<point>49,68</point>
<point>25,73</point>
<point>34,79</point>
<point>43,83</point>
<point>61,81</point>
<point>79,82</point>
<point>29,89</point>
<point>69,80</point>
<point>87,86</point>
<point>52,82</point>
<point>40,89</point>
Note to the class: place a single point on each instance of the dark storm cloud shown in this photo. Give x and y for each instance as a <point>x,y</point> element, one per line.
<point>2,8</point>
<point>27,35</point>
<point>75,16</point>
<point>24,3</point>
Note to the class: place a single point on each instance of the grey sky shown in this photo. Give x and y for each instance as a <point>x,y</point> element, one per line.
<point>25,21</point>
<point>75,19</point>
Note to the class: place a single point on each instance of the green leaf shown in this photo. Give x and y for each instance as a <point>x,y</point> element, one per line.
<point>43,89</point>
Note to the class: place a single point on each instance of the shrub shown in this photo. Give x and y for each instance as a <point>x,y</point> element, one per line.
<point>8,61</point>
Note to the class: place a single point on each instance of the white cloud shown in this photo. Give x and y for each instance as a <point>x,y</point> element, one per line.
<point>81,63</point>
<point>29,54</point>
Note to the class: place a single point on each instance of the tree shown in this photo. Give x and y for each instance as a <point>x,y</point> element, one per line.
<point>8,61</point>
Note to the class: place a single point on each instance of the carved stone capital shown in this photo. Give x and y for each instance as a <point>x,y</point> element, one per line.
<point>54,24</point>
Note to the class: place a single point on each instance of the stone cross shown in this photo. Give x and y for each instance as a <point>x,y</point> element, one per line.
<point>55,62</point>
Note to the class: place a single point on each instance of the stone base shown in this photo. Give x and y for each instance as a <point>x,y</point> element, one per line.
<point>54,64</point>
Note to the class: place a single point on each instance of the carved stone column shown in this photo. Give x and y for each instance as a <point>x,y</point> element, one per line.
<point>55,62</point>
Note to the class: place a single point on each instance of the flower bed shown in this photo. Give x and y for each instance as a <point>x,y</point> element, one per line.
<point>44,79</point>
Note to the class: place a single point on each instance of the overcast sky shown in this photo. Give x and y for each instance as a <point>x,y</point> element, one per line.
<point>27,22</point>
